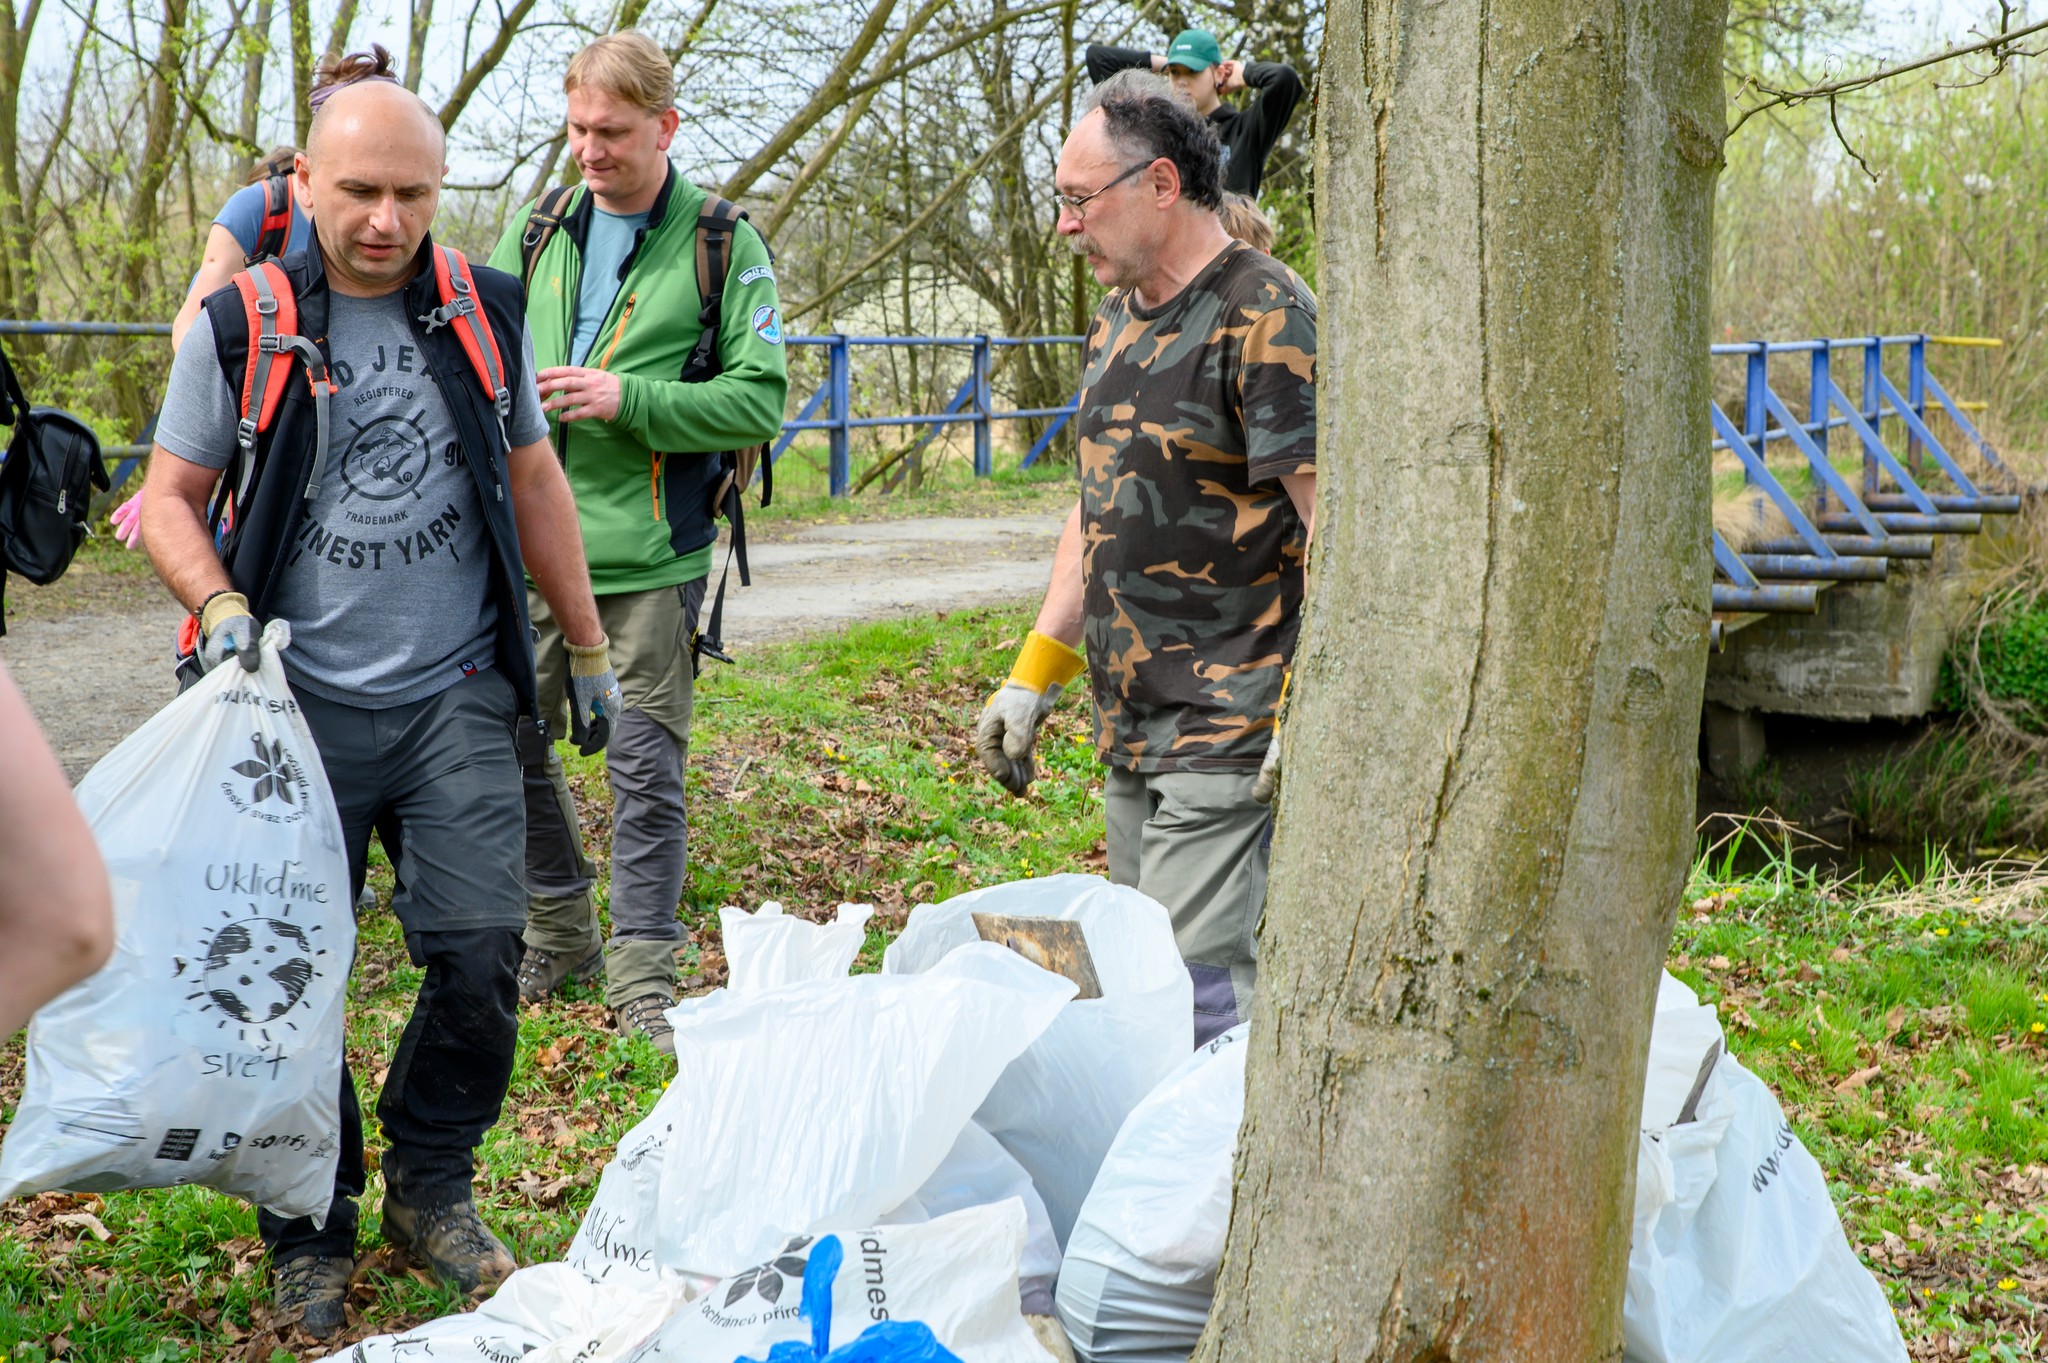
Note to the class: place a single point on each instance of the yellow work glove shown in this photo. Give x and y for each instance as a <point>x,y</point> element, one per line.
<point>1008,727</point>
<point>1267,785</point>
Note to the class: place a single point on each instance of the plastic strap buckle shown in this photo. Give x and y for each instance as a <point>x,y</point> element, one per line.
<point>245,433</point>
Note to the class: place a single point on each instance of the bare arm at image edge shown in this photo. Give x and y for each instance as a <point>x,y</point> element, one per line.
<point>551,541</point>
<point>56,907</point>
<point>1060,617</point>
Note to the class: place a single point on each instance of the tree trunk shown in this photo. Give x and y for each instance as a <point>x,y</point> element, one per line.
<point>1491,748</point>
<point>255,55</point>
<point>17,273</point>
<point>302,68</point>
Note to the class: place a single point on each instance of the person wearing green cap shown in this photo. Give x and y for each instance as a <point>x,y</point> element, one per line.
<point>1194,62</point>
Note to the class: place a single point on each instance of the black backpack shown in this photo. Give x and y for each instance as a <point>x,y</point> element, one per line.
<point>46,484</point>
<point>717,221</point>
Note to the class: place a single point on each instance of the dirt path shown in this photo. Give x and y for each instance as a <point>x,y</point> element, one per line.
<point>93,655</point>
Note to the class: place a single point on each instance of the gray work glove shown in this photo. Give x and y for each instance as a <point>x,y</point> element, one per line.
<point>594,700</point>
<point>1008,727</point>
<point>225,627</point>
<point>1008,730</point>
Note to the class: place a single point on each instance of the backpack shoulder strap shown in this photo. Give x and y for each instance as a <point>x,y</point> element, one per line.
<point>717,220</point>
<point>456,287</point>
<point>271,309</point>
<point>275,233</point>
<point>541,225</point>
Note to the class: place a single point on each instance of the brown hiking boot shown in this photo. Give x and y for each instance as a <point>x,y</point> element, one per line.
<point>315,1286</point>
<point>541,973</point>
<point>645,1015</point>
<point>451,1240</point>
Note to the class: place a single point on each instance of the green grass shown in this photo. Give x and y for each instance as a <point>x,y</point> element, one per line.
<point>1938,1155</point>
<point>841,769</point>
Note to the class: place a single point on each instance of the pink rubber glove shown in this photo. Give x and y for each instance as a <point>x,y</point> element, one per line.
<point>127,521</point>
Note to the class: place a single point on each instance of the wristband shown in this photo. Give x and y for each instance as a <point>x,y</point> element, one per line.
<point>224,604</point>
<point>589,660</point>
<point>1044,662</point>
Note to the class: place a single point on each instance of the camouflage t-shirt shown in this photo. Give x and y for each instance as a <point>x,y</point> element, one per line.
<point>1191,549</point>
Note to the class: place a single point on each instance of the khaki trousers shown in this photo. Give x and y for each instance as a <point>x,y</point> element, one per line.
<point>650,635</point>
<point>1198,843</point>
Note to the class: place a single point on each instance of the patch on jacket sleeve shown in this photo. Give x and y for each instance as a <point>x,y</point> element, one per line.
<point>754,272</point>
<point>768,324</point>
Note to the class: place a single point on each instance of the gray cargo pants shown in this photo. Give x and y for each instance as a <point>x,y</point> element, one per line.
<point>1198,842</point>
<point>650,744</point>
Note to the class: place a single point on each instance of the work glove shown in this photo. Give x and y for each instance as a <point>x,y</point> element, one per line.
<point>1267,784</point>
<point>127,521</point>
<point>1009,722</point>
<point>225,626</point>
<point>594,700</point>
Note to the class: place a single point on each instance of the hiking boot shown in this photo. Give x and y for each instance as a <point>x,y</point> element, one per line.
<point>451,1240</point>
<point>542,973</point>
<point>646,1016</point>
<point>315,1286</point>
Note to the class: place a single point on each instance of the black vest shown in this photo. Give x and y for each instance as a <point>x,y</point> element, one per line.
<point>269,516</point>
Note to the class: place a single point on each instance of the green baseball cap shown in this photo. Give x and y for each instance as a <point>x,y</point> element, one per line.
<point>1195,49</point>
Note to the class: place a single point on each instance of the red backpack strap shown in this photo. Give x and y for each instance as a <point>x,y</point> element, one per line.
<point>275,233</point>
<point>273,312</point>
<point>459,309</point>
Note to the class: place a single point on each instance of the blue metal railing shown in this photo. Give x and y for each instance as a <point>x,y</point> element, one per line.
<point>972,403</point>
<point>1853,531</point>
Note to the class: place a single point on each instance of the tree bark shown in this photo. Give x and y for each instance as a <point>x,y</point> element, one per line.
<point>255,55</point>
<point>1487,817</point>
<point>301,12</point>
<point>17,274</point>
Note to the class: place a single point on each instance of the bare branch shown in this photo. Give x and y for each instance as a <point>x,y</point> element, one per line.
<point>2000,43</point>
<point>465,89</point>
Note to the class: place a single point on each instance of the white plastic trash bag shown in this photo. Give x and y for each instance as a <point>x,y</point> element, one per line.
<point>976,1172</point>
<point>956,1274</point>
<point>1140,1269</point>
<point>208,1049</point>
<point>1058,1107</point>
<point>1737,1251</point>
<point>808,1107</point>
<point>770,947</point>
<point>548,1313</point>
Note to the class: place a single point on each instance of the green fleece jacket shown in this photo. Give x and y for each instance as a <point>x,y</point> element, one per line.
<point>625,472</point>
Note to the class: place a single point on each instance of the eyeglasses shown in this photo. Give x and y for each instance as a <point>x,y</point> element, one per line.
<point>1076,203</point>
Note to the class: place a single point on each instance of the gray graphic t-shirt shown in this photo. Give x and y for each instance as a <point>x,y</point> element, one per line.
<point>388,586</point>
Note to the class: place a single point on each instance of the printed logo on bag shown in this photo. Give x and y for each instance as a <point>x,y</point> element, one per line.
<point>254,970</point>
<point>276,790</point>
<point>768,1280</point>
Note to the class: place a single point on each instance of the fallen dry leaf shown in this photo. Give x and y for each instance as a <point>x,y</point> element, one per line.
<point>1858,1079</point>
<point>86,1222</point>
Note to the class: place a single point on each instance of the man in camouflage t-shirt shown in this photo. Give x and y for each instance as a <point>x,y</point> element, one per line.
<point>1182,567</point>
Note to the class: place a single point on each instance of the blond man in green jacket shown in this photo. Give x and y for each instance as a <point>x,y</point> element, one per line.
<point>613,305</point>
